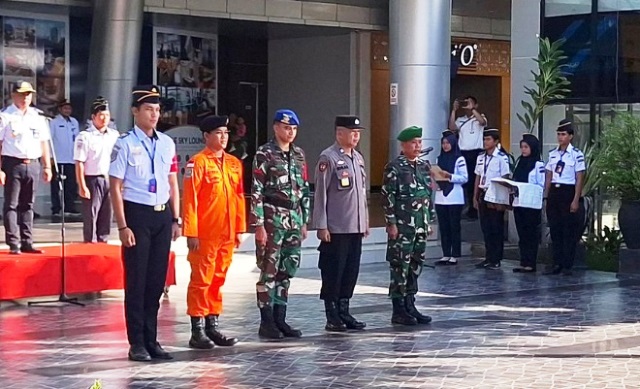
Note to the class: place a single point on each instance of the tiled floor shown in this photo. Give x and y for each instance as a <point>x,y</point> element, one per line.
<point>492,329</point>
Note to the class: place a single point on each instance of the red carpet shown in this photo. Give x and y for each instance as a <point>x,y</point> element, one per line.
<point>89,268</point>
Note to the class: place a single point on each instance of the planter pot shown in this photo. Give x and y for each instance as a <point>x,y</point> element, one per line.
<point>628,217</point>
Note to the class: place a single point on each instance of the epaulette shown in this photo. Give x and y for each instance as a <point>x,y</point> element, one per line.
<point>502,153</point>
<point>126,134</point>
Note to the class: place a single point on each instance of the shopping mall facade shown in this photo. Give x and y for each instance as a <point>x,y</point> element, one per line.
<point>394,63</point>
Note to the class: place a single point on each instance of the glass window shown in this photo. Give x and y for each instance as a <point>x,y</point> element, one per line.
<point>567,7</point>
<point>618,5</point>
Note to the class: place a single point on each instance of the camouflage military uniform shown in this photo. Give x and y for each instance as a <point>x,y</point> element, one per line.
<point>406,195</point>
<point>279,202</point>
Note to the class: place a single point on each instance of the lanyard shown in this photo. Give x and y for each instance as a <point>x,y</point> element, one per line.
<point>486,164</point>
<point>151,155</point>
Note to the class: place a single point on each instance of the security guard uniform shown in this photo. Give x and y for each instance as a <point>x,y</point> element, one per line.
<point>64,131</point>
<point>280,203</point>
<point>93,149</point>
<point>488,167</point>
<point>23,136</point>
<point>214,213</point>
<point>340,206</point>
<point>565,227</point>
<point>144,164</point>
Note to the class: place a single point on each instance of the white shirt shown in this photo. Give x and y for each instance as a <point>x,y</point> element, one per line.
<point>470,133</point>
<point>111,125</point>
<point>22,135</point>
<point>63,135</point>
<point>489,167</point>
<point>537,174</point>
<point>94,149</point>
<point>573,163</point>
<point>459,177</point>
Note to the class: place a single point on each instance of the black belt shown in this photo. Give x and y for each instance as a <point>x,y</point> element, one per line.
<point>563,185</point>
<point>155,208</point>
<point>293,205</point>
<point>20,160</point>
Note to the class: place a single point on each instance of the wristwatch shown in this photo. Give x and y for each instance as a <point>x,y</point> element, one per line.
<point>177,220</point>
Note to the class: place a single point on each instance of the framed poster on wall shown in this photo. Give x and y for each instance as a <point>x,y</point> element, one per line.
<point>186,70</point>
<point>35,49</point>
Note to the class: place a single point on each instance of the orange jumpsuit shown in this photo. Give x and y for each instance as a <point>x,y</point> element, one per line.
<point>213,212</point>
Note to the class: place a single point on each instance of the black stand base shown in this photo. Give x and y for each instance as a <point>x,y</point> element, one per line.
<point>63,299</point>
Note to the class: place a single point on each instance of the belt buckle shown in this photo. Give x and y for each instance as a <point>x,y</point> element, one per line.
<point>159,208</point>
<point>26,161</point>
<point>557,185</point>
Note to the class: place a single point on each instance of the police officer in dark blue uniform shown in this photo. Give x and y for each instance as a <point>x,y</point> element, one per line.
<point>145,196</point>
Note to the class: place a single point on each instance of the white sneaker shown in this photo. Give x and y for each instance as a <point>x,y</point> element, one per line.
<point>453,261</point>
<point>443,261</point>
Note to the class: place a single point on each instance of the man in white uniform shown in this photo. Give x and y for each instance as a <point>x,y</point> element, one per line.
<point>64,130</point>
<point>92,154</point>
<point>24,145</point>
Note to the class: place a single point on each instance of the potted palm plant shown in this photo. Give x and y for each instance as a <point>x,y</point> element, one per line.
<point>619,172</point>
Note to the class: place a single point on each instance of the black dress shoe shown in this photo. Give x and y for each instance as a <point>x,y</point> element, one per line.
<point>482,264</point>
<point>553,271</point>
<point>139,354</point>
<point>28,249</point>
<point>157,352</point>
<point>14,250</point>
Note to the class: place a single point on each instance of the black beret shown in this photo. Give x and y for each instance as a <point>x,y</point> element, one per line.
<point>352,122</point>
<point>210,123</point>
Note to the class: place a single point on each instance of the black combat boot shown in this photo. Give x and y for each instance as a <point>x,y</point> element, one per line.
<point>199,339</point>
<point>334,324</point>
<point>268,327</point>
<point>351,322</point>
<point>279,316</point>
<point>400,314</point>
<point>211,329</point>
<point>410,304</point>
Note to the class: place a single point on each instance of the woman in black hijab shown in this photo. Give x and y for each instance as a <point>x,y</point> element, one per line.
<point>450,197</point>
<point>529,169</point>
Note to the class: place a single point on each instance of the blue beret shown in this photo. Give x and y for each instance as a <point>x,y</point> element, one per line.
<point>210,123</point>
<point>145,94</point>
<point>410,133</point>
<point>286,116</point>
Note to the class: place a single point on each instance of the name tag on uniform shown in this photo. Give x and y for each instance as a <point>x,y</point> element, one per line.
<point>283,179</point>
<point>344,182</point>
<point>559,168</point>
<point>153,185</point>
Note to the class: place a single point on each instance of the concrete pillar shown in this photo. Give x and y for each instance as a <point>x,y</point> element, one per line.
<point>113,58</point>
<point>420,59</point>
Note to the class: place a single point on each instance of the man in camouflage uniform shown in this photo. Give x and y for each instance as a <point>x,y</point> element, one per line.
<point>280,211</point>
<point>406,195</point>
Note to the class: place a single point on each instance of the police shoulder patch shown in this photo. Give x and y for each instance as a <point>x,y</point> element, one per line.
<point>322,166</point>
<point>114,152</point>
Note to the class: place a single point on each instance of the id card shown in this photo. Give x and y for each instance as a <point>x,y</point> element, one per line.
<point>483,181</point>
<point>153,186</point>
<point>559,168</point>
<point>344,182</point>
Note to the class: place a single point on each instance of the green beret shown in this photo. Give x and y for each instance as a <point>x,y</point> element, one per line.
<point>410,133</point>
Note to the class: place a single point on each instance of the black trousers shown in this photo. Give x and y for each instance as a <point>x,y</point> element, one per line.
<point>566,227</point>
<point>145,268</point>
<point>528,225</point>
<point>492,224</point>
<point>339,265</point>
<point>470,158</point>
<point>96,211</point>
<point>19,196</point>
<point>449,228</point>
<point>70,188</point>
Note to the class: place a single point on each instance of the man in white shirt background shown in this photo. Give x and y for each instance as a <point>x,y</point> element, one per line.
<point>64,130</point>
<point>469,128</point>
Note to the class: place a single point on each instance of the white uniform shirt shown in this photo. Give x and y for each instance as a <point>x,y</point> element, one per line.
<point>459,177</point>
<point>490,167</point>
<point>537,174</point>
<point>63,135</point>
<point>132,162</point>
<point>573,163</point>
<point>94,149</point>
<point>471,133</point>
<point>22,135</point>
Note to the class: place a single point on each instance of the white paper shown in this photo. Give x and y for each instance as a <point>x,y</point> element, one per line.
<point>529,195</point>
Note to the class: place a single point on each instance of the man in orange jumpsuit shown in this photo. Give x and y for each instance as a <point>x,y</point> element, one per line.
<point>214,218</point>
